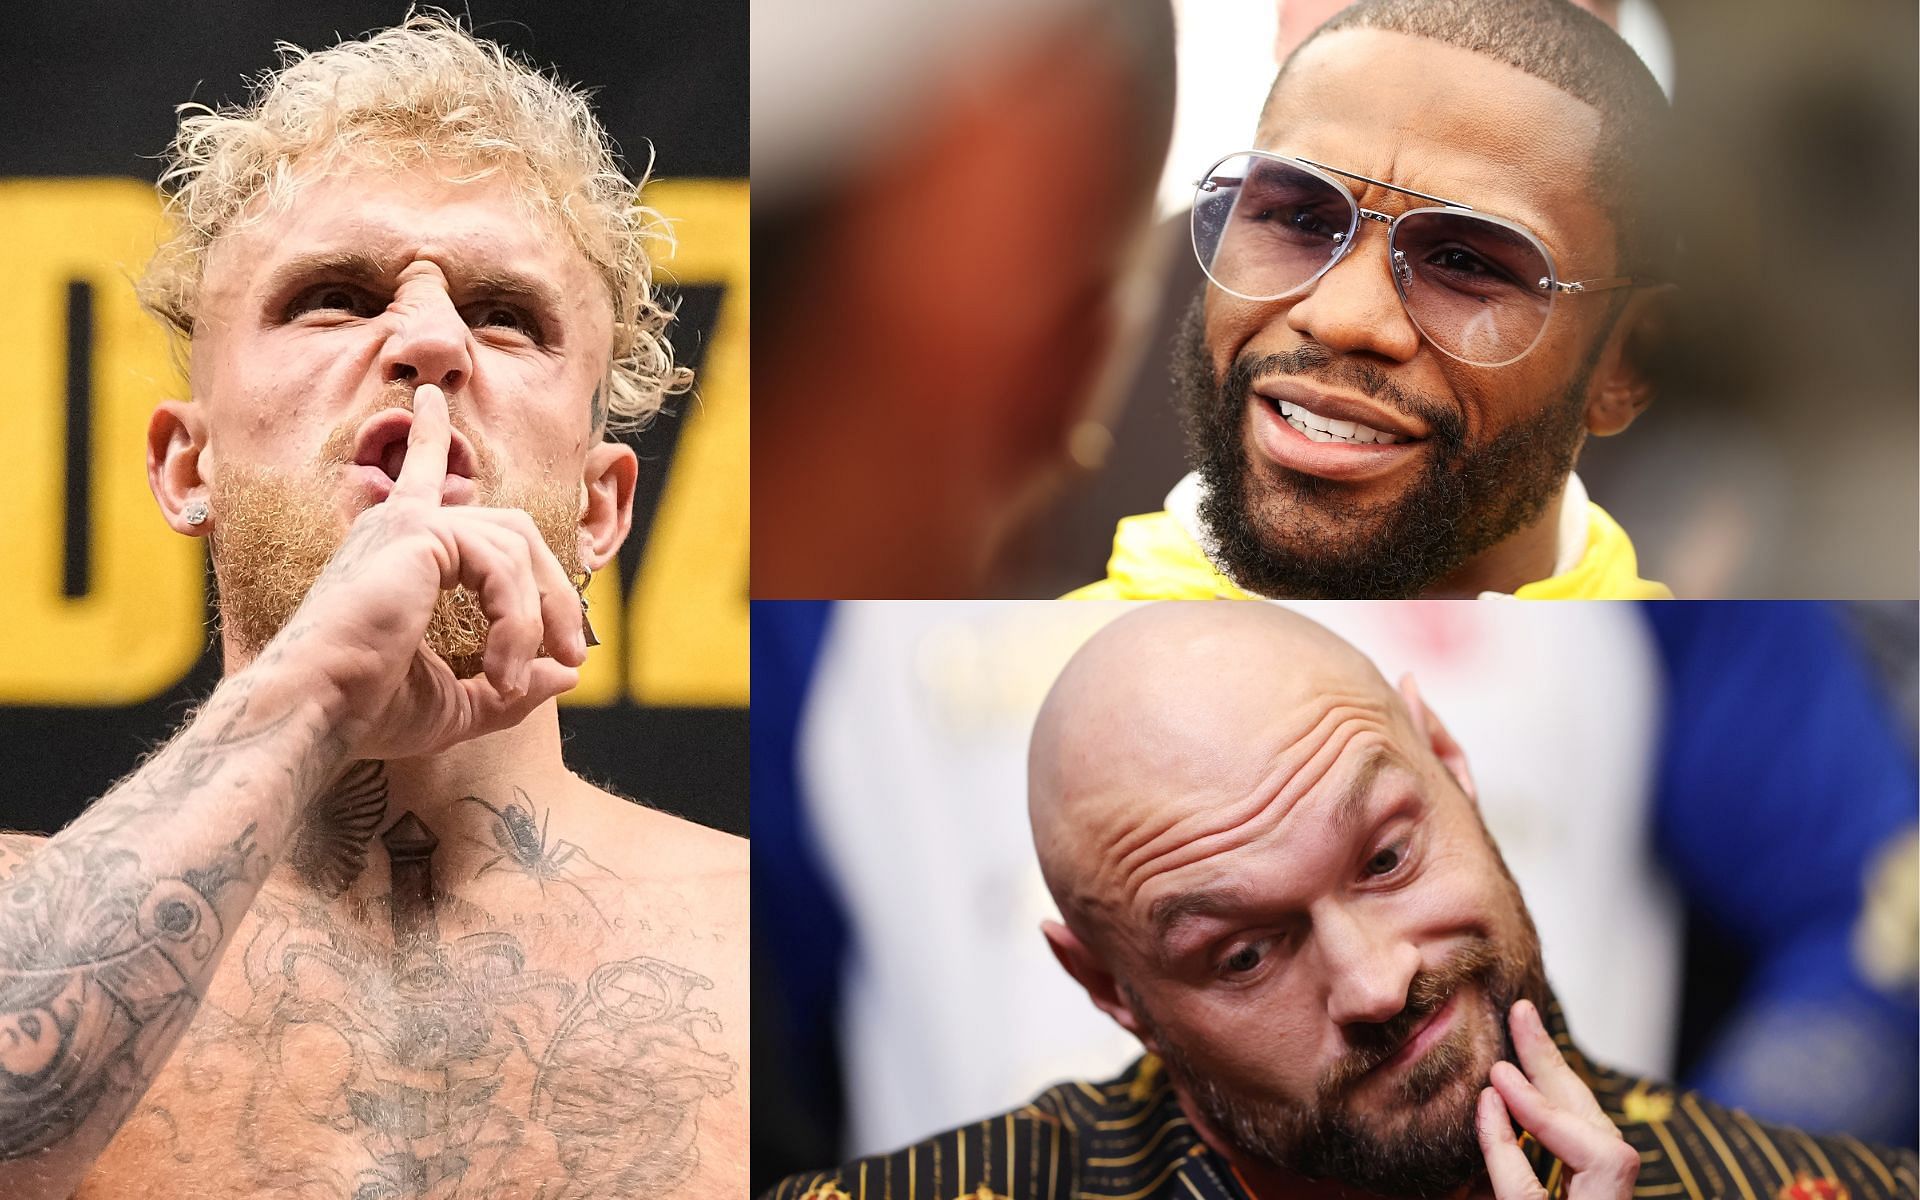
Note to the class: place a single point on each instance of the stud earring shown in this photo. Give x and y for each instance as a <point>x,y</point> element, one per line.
<point>196,513</point>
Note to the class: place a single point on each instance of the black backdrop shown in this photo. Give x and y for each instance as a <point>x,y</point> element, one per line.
<point>87,89</point>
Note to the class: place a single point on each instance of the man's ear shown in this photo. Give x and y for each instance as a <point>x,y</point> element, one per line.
<point>176,440</point>
<point>607,513</point>
<point>1429,728</point>
<point>1623,379</point>
<point>1087,971</point>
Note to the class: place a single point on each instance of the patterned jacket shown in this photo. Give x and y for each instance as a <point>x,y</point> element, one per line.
<point>1129,1140</point>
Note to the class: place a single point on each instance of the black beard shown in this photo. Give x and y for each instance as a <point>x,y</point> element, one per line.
<point>1469,498</point>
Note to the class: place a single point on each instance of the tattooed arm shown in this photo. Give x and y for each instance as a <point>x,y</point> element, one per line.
<point>110,931</point>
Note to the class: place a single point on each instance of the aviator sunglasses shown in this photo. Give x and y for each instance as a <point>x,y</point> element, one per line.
<point>1478,287</point>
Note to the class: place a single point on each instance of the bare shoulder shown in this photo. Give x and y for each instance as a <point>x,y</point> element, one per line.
<point>685,884</point>
<point>16,848</point>
<point>684,904</point>
<point>660,846</point>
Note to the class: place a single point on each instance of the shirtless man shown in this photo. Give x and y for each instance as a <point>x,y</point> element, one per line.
<point>357,932</point>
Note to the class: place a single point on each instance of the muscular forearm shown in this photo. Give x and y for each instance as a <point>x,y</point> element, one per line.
<point>110,931</point>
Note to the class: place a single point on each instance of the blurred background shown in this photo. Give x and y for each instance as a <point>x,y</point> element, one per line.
<point>106,613</point>
<point>1779,460</point>
<point>1710,808</point>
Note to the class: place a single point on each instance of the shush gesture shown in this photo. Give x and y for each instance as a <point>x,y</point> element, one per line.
<point>363,623</point>
<point>1553,1104</point>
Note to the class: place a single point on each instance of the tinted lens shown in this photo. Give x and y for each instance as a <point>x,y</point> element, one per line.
<point>1471,284</point>
<point>1263,227</point>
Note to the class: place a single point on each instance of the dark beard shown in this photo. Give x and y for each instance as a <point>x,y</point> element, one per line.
<point>1469,498</point>
<point>1436,1149</point>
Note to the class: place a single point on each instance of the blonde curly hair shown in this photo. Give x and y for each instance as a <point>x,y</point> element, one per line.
<point>424,91</point>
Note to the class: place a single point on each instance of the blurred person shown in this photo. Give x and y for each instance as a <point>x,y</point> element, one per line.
<point>1272,871</point>
<point>1798,869</point>
<point>413,287</point>
<point>1458,358</point>
<point>949,200</point>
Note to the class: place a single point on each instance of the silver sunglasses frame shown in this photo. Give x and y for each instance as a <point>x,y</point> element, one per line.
<point>1398,269</point>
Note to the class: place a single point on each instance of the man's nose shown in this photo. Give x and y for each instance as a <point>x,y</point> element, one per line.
<point>1354,308</point>
<point>430,342</point>
<point>1369,968</point>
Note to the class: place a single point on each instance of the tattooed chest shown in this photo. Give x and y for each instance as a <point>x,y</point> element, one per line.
<point>427,1049</point>
<point>457,1069</point>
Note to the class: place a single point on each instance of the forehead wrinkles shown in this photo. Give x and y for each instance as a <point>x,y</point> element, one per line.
<point>1153,849</point>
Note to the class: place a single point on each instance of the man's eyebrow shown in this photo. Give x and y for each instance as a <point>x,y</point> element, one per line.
<point>1171,911</point>
<point>356,266</point>
<point>1350,809</point>
<point>494,281</point>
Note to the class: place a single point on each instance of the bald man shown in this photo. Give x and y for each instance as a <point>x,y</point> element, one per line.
<point>1272,871</point>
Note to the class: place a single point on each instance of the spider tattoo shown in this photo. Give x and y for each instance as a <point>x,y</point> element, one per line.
<point>523,845</point>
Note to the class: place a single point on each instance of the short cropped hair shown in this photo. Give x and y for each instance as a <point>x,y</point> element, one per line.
<point>424,92</point>
<point>1576,52</point>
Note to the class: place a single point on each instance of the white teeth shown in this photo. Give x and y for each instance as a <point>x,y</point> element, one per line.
<point>1325,429</point>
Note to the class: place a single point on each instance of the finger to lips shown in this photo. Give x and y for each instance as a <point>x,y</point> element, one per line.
<point>1546,1067</point>
<point>1507,1166</point>
<point>428,440</point>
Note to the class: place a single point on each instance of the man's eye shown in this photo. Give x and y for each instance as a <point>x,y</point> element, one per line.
<point>1299,221</point>
<point>1461,262</point>
<point>1243,960</point>
<point>502,316</point>
<point>1386,861</point>
<point>333,297</point>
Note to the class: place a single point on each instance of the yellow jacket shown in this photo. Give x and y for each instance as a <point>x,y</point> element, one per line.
<point>1155,558</point>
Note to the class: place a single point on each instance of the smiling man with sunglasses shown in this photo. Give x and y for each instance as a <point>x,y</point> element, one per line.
<point>1433,277</point>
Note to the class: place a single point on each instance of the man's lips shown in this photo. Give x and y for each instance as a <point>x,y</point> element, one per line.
<point>1350,417</point>
<point>380,450</point>
<point>1424,1036</point>
<point>1276,439</point>
<point>375,485</point>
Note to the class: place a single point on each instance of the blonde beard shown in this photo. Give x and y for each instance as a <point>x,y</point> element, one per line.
<point>276,531</point>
